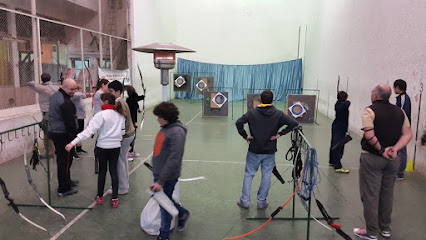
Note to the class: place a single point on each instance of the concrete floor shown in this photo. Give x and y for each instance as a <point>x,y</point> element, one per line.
<point>216,151</point>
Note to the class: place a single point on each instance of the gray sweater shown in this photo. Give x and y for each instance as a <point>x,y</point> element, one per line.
<point>168,152</point>
<point>77,99</point>
<point>44,90</point>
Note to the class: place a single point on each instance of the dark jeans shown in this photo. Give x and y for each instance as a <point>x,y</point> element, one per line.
<point>337,134</point>
<point>63,160</point>
<point>80,129</point>
<point>132,145</point>
<point>108,157</point>
<point>402,155</point>
<point>166,218</point>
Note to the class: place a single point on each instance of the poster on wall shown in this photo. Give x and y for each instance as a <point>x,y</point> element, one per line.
<point>111,75</point>
<point>204,84</point>
<point>181,82</point>
<point>215,103</point>
<point>301,107</point>
<point>253,99</point>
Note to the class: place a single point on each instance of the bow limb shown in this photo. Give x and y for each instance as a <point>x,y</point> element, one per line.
<point>31,182</point>
<point>144,93</point>
<point>15,208</point>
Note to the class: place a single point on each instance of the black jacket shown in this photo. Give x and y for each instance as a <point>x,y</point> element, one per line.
<point>132,101</point>
<point>264,122</point>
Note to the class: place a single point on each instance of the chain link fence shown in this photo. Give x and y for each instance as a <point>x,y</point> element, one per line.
<point>62,39</point>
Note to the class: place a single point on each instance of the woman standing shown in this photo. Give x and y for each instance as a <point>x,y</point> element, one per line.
<point>109,123</point>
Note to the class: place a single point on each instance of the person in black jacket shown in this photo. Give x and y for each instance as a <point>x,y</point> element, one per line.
<point>264,123</point>
<point>338,131</point>
<point>402,101</point>
<point>62,130</point>
<point>132,101</point>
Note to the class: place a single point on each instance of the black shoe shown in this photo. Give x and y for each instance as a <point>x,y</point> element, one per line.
<point>75,183</point>
<point>76,155</point>
<point>81,151</point>
<point>67,193</point>
<point>182,221</point>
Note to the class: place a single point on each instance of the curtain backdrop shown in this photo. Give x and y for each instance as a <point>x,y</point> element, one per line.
<point>239,80</point>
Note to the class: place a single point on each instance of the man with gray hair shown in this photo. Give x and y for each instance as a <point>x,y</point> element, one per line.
<point>62,130</point>
<point>386,131</point>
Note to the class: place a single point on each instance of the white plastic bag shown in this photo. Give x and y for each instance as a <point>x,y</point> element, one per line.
<point>151,215</point>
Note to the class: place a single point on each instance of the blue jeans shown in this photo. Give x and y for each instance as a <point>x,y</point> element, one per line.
<point>253,161</point>
<point>166,218</point>
<point>402,155</point>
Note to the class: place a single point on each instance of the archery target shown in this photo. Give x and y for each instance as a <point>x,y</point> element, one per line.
<point>201,85</point>
<point>297,110</point>
<point>180,81</point>
<point>218,100</point>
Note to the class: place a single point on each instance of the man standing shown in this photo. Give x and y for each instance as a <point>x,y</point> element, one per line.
<point>264,123</point>
<point>44,90</point>
<point>62,130</point>
<point>403,101</point>
<point>167,162</point>
<point>116,88</point>
<point>386,131</point>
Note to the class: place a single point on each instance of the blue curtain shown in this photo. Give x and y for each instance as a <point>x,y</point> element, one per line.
<point>239,79</point>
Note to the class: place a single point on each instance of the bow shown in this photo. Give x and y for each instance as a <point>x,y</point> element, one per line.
<point>13,205</point>
<point>31,182</point>
<point>144,93</point>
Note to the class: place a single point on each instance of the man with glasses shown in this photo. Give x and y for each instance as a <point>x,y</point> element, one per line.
<point>62,130</point>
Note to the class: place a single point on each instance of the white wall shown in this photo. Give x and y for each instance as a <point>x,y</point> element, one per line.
<point>367,42</point>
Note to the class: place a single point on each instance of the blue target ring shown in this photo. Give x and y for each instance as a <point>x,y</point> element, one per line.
<point>297,109</point>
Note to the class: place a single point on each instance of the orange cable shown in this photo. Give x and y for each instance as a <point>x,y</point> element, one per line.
<point>282,206</point>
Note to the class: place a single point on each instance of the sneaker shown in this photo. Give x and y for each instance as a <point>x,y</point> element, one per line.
<point>399,178</point>
<point>82,151</point>
<point>99,200</point>
<point>341,170</point>
<point>133,154</point>
<point>331,165</point>
<point>264,206</point>
<point>386,234</point>
<point>67,193</point>
<point>114,203</point>
<point>182,221</point>
<point>75,183</point>
<point>159,238</point>
<point>130,159</point>
<point>241,205</point>
<point>75,155</point>
<point>362,233</point>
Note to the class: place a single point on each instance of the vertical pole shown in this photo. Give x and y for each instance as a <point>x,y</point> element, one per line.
<point>35,40</point>
<point>417,128</point>
<point>311,172</point>
<point>110,54</point>
<point>298,45</point>
<point>82,60</point>
<point>100,35</point>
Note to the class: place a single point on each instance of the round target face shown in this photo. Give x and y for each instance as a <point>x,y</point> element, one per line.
<point>201,85</point>
<point>297,109</point>
<point>180,81</point>
<point>219,99</point>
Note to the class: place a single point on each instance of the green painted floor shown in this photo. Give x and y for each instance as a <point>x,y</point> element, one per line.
<point>216,151</point>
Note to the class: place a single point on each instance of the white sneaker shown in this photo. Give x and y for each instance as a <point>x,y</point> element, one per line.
<point>133,154</point>
<point>386,234</point>
<point>130,159</point>
<point>362,233</point>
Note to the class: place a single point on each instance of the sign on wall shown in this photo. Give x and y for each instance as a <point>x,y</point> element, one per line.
<point>111,75</point>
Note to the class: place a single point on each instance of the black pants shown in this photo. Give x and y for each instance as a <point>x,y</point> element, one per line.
<point>63,160</point>
<point>107,157</point>
<point>80,129</point>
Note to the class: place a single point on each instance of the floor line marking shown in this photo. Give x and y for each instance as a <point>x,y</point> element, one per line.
<point>66,227</point>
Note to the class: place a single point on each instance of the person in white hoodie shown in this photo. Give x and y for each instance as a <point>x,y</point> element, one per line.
<point>109,123</point>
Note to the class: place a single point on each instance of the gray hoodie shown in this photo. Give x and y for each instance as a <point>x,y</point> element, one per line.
<point>168,152</point>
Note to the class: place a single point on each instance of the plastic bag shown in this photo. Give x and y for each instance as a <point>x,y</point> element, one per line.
<point>151,215</point>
